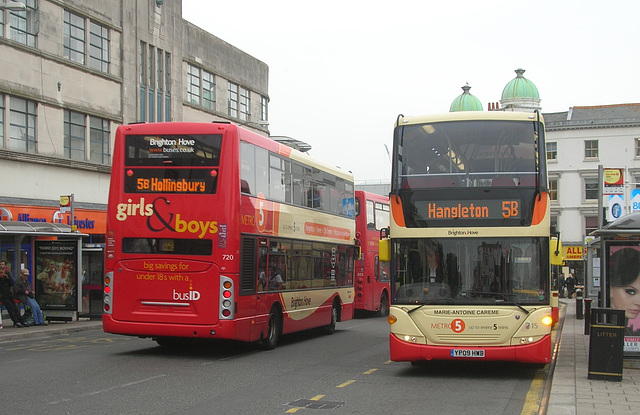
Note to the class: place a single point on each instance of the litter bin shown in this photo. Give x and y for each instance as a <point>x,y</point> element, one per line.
<point>606,344</point>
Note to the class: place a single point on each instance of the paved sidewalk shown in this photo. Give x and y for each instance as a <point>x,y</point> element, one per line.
<point>8,333</point>
<point>571,392</point>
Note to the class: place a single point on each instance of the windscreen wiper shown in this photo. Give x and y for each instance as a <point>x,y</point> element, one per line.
<point>504,297</point>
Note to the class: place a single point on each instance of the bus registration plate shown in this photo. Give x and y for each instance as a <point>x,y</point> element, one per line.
<point>467,353</point>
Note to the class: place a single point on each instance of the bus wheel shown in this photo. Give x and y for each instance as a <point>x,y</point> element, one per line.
<point>384,306</point>
<point>273,331</point>
<point>331,327</point>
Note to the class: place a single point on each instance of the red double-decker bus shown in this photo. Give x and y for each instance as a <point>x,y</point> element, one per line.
<point>216,232</point>
<point>372,275</point>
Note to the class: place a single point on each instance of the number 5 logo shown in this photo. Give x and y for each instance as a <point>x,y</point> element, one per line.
<point>457,325</point>
<point>262,209</point>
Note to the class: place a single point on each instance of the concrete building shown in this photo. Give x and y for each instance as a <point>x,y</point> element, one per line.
<point>74,70</point>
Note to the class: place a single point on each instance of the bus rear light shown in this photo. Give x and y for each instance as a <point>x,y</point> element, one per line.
<point>359,287</point>
<point>392,319</point>
<point>359,294</point>
<point>226,298</point>
<point>107,291</point>
<point>547,320</point>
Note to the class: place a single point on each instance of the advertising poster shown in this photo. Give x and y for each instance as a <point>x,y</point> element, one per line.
<point>56,276</point>
<point>624,291</point>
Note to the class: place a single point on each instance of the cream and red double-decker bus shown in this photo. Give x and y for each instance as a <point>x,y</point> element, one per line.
<point>215,232</point>
<point>371,275</point>
<point>469,238</point>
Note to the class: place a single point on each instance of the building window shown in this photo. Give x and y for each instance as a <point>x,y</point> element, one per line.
<point>98,47</point>
<point>553,189</point>
<point>151,83</point>
<point>245,104</point>
<point>193,84</point>
<point>263,109</point>
<point>591,189</point>
<point>552,151</point>
<point>22,24</point>
<point>74,37</point>
<point>208,90</point>
<point>74,135</point>
<point>22,125</point>
<point>167,86</point>
<point>143,81</point>
<point>99,140</point>
<point>233,100</point>
<point>1,120</point>
<point>591,149</point>
<point>155,84</point>
<point>637,147</point>
<point>590,224</point>
<point>159,84</point>
<point>75,42</point>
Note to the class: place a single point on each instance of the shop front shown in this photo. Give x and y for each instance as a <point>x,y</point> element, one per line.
<point>53,255</point>
<point>90,223</point>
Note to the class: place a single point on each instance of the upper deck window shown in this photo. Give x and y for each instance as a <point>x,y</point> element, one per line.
<point>173,150</point>
<point>475,153</point>
<point>172,163</point>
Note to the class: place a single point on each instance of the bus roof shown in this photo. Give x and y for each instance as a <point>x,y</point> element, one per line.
<point>467,116</point>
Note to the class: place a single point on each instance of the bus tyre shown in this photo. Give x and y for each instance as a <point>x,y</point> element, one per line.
<point>384,306</point>
<point>331,327</point>
<point>273,331</point>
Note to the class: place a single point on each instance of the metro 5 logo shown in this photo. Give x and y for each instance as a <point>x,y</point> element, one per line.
<point>158,217</point>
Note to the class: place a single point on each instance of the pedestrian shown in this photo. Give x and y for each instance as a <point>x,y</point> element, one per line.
<point>570,282</point>
<point>23,291</point>
<point>6,297</point>
<point>561,285</point>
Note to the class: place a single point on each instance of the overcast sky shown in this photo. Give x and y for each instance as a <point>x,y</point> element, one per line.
<point>340,72</point>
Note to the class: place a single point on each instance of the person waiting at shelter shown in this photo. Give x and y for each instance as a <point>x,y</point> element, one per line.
<point>23,291</point>
<point>6,297</point>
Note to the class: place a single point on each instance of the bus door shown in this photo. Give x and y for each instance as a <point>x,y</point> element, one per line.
<point>262,283</point>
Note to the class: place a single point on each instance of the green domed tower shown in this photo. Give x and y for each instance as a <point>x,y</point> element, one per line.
<point>520,94</point>
<point>466,102</point>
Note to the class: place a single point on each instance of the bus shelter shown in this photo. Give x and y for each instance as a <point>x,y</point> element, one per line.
<point>620,274</point>
<point>53,254</point>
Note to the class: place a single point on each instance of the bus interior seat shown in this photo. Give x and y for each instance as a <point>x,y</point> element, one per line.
<point>244,187</point>
<point>502,181</point>
<point>528,181</point>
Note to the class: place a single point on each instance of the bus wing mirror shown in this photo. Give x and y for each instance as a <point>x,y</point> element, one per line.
<point>384,250</point>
